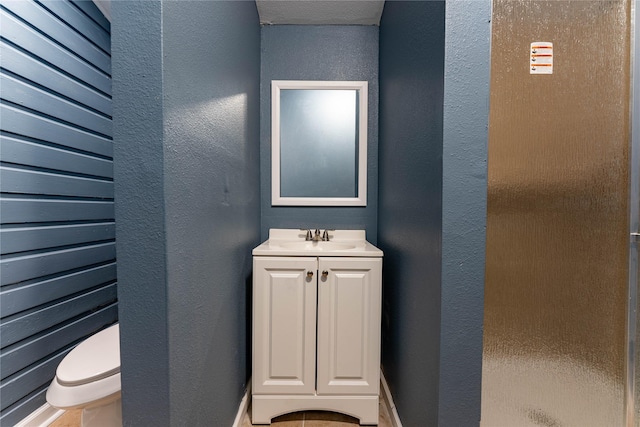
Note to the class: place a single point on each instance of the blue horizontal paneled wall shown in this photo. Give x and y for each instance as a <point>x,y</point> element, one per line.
<point>57,229</point>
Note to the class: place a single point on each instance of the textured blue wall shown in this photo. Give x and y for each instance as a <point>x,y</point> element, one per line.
<point>297,52</point>
<point>188,195</point>
<point>139,186</point>
<point>186,93</point>
<point>464,204</point>
<point>410,217</point>
<point>434,77</point>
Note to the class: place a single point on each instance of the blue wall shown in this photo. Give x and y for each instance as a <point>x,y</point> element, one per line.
<point>139,171</point>
<point>464,205</point>
<point>303,52</point>
<point>186,95</point>
<point>434,75</point>
<point>58,270</point>
<point>188,195</point>
<point>410,217</point>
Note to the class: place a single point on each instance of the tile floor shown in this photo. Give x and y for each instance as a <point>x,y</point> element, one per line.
<point>320,419</point>
<point>70,418</point>
<point>297,419</point>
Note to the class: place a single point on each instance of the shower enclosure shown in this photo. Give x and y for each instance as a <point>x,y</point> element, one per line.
<point>558,332</point>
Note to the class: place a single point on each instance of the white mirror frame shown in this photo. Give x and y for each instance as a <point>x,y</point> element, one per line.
<point>276,198</point>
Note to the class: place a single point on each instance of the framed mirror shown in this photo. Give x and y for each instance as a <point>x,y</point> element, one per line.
<point>318,143</point>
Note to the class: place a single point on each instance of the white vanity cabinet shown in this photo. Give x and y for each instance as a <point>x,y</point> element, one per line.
<point>316,335</point>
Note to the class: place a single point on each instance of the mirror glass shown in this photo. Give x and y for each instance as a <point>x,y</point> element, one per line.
<point>319,143</point>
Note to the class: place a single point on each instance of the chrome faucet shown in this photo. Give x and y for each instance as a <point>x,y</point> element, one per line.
<point>316,236</point>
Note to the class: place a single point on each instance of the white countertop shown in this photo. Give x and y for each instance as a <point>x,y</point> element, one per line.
<point>291,242</point>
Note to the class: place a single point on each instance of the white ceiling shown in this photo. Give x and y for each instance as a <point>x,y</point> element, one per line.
<point>320,12</point>
<point>310,12</point>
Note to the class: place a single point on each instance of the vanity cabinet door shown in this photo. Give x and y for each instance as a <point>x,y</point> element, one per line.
<point>284,325</point>
<point>349,305</point>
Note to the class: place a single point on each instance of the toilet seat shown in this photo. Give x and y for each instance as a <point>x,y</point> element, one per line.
<point>95,358</point>
<point>86,395</point>
<point>89,375</point>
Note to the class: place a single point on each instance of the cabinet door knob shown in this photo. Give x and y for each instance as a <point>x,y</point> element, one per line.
<point>309,274</point>
<point>325,273</point>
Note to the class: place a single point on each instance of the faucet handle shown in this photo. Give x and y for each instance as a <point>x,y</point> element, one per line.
<point>308,233</point>
<point>325,234</point>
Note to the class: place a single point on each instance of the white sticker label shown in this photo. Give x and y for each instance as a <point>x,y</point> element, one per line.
<point>541,58</point>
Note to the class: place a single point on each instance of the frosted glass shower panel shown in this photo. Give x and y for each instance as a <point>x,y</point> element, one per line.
<point>557,221</point>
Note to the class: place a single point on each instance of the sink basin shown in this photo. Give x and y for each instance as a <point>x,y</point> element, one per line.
<point>316,246</point>
<point>292,243</point>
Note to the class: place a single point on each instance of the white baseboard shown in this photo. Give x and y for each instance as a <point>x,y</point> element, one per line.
<point>47,414</point>
<point>388,401</point>
<point>244,406</point>
<point>41,417</point>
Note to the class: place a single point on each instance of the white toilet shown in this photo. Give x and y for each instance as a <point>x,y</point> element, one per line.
<point>88,378</point>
